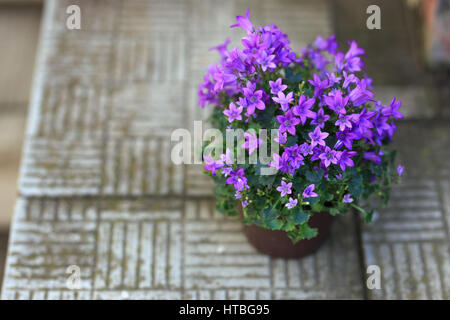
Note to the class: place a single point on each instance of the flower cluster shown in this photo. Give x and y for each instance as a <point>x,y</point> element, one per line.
<point>332,132</point>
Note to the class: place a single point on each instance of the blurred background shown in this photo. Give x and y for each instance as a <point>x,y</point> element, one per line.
<point>409,56</point>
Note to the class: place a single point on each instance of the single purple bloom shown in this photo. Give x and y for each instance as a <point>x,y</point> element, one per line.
<point>392,109</point>
<point>372,156</point>
<point>226,158</point>
<point>320,118</point>
<point>354,50</point>
<point>223,78</point>
<point>244,22</point>
<point>284,100</point>
<point>344,159</point>
<point>336,102</point>
<point>317,137</point>
<point>343,122</point>
<point>282,138</point>
<point>349,79</point>
<point>233,113</point>
<point>222,48</point>
<point>244,203</point>
<point>238,180</point>
<point>292,203</point>
<point>319,85</point>
<point>266,61</point>
<point>226,171</point>
<point>288,122</point>
<point>332,79</point>
<point>305,149</point>
<point>309,192</point>
<point>360,95</point>
<point>280,163</point>
<point>276,86</point>
<point>345,138</point>
<point>347,198</point>
<point>251,143</point>
<point>400,169</point>
<point>328,157</point>
<point>285,188</point>
<point>380,123</point>
<point>212,165</point>
<point>253,98</point>
<point>302,109</point>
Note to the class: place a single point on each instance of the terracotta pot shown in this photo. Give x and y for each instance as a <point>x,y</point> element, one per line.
<point>277,244</point>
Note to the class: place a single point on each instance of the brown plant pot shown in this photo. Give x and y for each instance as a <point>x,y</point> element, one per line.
<point>277,244</point>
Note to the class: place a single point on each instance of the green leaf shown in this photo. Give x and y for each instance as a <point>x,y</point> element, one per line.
<point>299,216</point>
<point>274,224</point>
<point>333,211</point>
<point>368,215</point>
<point>355,186</point>
<point>309,232</point>
<point>270,213</point>
<point>314,175</point>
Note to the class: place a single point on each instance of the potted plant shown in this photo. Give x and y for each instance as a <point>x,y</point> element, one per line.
<point>331,136</point>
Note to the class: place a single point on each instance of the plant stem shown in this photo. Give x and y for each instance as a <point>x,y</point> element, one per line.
<point>358,208</point>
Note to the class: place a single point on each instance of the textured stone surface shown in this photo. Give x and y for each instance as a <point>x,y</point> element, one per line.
<point>159,249</point>
<point>98,190</point>
<point>409,239</point>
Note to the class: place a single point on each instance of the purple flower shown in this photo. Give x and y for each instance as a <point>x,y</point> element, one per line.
<point>244,203</point>
<point>280,163</point>
<point>328,157</point>
<point>305,149</point>
<point>238,180</point>
<point>400,169</point>
<point>317,137</point>
<point>347,198</point>
<point>332,79</point>
<point>381,125</point>
<point>285,188</point>
<point>288,122</point>
<point>302,109</point>
<point>320,118</point>
<point>372,156</point>
<point>345,138</point>
<point>292,203</point>
<point>354,51</point>
<point>226,171</point>
<point>391,110</point>
<point>319,85</point>
<point>336,102</point>
<point>266,61</point>
<point>349,79</point>
<point>276,86</point>
<point>253,98</point>
<point>282,138</point>
<point>212,165</point>
<point>226,158</point>
<point>343,122</point>
<point>244,22</point>
<point>222,48</point>
<point>284,100</point>
<point>251,143</point>
<point>223,78</point>
<point>360,95</point>
<point>344,159</point>
<point>233,113</point>
<point>309,192</point>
